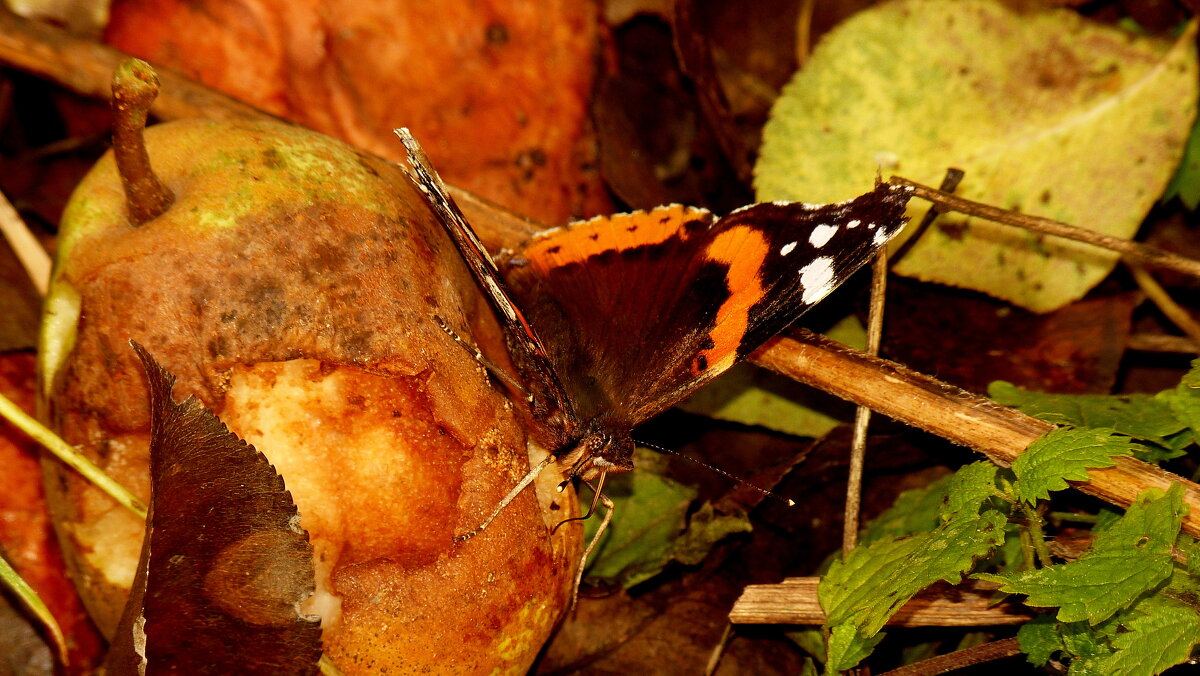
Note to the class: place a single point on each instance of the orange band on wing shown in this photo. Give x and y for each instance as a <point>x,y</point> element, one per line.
<point>577,242</point>
<point>743,249</point>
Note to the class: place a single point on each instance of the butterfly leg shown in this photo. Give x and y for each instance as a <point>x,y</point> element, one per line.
<point>608,505</point>
<point>512,495</point>
<point>497,372</point>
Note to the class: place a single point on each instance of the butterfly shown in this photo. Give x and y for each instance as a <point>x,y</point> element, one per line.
<point>611,321</point>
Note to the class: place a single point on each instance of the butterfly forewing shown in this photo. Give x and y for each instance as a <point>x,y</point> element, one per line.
<point>645,308</point>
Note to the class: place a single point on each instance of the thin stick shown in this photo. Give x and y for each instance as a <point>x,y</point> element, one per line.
<point>862,416</point>
<point>988,652</point>
<point>1136,251</point>
<point>1144,342</point>
<point>69,455</point>
<point>1163,301</point>
<point>949,184</point>
<point>29,251</point>
<point>714,658</point>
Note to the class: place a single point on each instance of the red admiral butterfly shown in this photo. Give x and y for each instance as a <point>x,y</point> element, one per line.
<point>611,321</point>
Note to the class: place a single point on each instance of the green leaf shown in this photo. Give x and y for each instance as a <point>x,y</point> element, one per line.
<point>1082,640</point>
<point>1139,416</point>
<point>810,641</point>
<point>9,579</point>
<point>1064,454</point>
<point>973,485</point>
<point>914,511</point>
<point>706,528</point>
<point>1184,400</point>
<point>1191,551</point>
<point>1039,639</point>
<point>847,646</point>
<point>1185,184</point>
<point>860,593</point>
<point>1125,561</point>
<point>653,527</point>
<point>652,513</point>
<point>1159,633</point>
<point>1047,112</point>
<point>750,395</point>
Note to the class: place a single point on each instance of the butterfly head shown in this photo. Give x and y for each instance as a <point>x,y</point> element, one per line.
<point>600,449</point>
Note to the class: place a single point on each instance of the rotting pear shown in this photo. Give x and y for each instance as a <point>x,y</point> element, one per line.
<point>289,282</point>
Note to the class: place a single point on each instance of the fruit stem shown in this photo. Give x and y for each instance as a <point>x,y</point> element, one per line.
<point>135,86</point>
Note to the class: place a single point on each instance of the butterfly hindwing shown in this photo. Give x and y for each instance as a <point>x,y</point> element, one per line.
<point>639,310</point>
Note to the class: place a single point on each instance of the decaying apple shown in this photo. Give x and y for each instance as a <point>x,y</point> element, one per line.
<point>291,286</point>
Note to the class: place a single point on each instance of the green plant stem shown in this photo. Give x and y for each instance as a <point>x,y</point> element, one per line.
<point>1037,533</point>
<point>10,579</point>
<point>1075,518</point>
<point>69,455</point>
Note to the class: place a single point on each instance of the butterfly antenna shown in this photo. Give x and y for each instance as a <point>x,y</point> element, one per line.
<point>790,502</point>
<point>512,495</point>
<point>597,491</point>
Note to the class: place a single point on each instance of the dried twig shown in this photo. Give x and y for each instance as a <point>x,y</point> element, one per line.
<point>988,652</point>
<point>862,416</point>
<point>1165,304</point>
<point>1161,343</point>
<point>794,601</point>
<point>1136,251</point>
<point>29,251</point>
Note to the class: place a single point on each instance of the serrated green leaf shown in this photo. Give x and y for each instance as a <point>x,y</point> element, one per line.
<point>1185,184</point>
<point>1139,416</point>
<point>1039,639</point>
<point>972,486</point>
<point>914,511</point>
<point>1082,640</point>
<point>1159,633</point>
<point>1064,454</point>
<point>847,647</point>
<point>1127,560</point>
<point>1191,552</point>
<point>873,581</point>
<point>1047,112</point>
<point>1184,400</point>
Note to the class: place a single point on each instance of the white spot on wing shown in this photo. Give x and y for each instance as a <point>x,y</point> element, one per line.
<point>881,236</point>
<point>853,224</point>
<point>822,234</point>
<point>787,248</point>
<point>817,279</point>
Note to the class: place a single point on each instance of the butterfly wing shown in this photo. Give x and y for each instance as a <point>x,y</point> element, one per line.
<point>547,396</point>
<point>639,310</point>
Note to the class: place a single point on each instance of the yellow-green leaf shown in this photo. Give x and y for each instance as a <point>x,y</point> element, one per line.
<point>1047,112</point>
